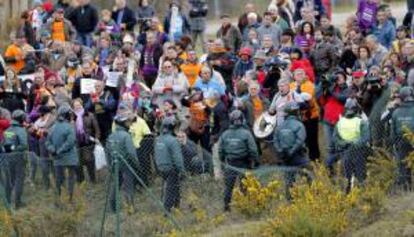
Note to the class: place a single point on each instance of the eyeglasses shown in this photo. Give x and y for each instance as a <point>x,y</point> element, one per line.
<point>168,66</point>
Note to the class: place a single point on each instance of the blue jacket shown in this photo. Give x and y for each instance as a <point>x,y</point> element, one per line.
<point>61,143</point>
<point>213,84</point>
<point>385,34</point>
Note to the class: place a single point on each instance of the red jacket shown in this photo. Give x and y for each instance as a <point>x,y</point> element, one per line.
<point>4,125</point>
<point>305,65</point>
<point>333,108</point>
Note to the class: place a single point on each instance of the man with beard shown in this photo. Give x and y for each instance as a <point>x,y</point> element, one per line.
<point>60,28</point>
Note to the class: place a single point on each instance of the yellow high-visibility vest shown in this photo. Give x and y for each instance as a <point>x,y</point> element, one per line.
<point>349,129</point>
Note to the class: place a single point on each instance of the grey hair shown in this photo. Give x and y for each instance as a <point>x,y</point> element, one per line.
<point>373,38</point>
<point>283,81</point>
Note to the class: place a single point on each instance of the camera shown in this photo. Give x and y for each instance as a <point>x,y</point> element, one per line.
<point>374,82</point>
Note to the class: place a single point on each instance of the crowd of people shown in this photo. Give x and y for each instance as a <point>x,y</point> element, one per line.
<point>152,90</point>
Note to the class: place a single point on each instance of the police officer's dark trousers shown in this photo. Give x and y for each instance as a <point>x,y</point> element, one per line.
<point>354,160</point>
<point>171,189</point>
<point>231,174</point>
<point>127,181</point>
<point>60,178</point>
<point>402,149</point>
<point>15,166</point>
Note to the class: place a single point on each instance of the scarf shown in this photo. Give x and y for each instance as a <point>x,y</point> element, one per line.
<point>80,131</point>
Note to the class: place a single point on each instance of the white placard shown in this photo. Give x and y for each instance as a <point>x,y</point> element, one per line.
<point>87,85</point>
<point>22,77</point>
<point>112,78</point>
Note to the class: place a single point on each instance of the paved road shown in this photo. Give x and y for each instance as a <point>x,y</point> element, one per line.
<point>339,19</point>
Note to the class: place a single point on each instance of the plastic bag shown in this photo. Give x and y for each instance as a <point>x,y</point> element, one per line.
<point>100,159</point>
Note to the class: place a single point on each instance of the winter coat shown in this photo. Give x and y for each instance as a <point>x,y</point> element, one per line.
<point>4,125</point>
<point>186,28</point>
<point>61,144</point>
<point>325,57</point>
<point>219,120</point>
<point>21,135</point>
<point>385,34</point>
<point>145,12</point>
<point>241,68</point>
<point>13,100</point>
<point>237,144</point>
<point>55,62</point>
<point>198,13</point>
<point>289,142</point>
<point>179,88</point>
<point>402,117</point>
<point>332,103</point>
<point>128,18</point>
<point>84,19</point>
<point>212,84</point>
<point>120,145</point>
<point>378,55</point>
<point>167,153</point>
<point>91,128</point>
<point>306,66</point>
<point>312,112</point>
<point>231,37</point>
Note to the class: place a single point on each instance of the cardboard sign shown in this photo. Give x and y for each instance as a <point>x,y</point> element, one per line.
<point>113,78</point>
<point>88,85</point>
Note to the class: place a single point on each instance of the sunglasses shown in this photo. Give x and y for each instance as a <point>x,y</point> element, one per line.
<point>168,66</point>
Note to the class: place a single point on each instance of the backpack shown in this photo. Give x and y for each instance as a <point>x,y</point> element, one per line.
<point>11,141</point>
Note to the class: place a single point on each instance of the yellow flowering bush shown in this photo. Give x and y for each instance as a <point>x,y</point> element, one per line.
<point>255,198</point>
<point>318,209</point>
<point>6,222</point>
<point>409,135</point>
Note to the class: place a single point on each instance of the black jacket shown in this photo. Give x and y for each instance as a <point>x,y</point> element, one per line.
<point>84,18</point>
<point>128,18</point>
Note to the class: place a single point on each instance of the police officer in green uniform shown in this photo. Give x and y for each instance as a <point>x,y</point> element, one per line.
<point>170,163</point>
<point>237,149</point>
<point>351,139</point>
<point>403,118</point>
<point>289,143</point>
<point>121,147</point>
<point>15,145</point>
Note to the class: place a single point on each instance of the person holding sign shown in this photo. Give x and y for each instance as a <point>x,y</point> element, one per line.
<point>103,105</point>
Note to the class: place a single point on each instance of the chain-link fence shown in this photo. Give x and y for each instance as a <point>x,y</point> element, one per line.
<point>131,196</point>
